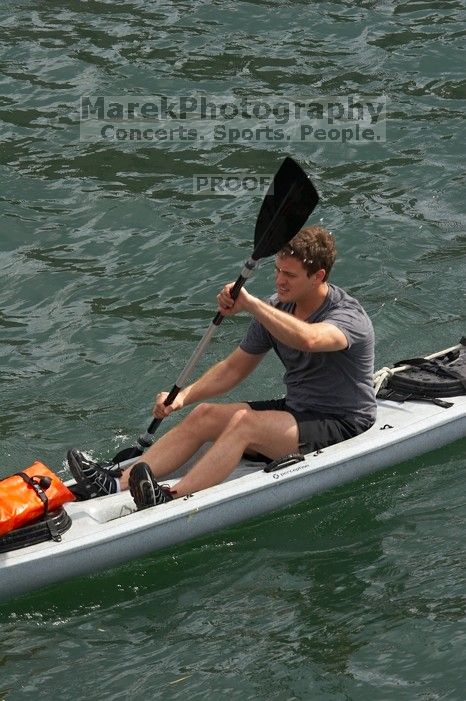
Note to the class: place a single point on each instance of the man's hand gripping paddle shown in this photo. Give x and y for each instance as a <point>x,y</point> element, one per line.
<point>289,201</point>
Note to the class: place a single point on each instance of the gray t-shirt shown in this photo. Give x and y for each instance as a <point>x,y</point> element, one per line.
<point>338,383</point>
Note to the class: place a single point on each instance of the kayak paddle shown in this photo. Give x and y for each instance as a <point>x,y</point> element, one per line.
<point>287,204</point>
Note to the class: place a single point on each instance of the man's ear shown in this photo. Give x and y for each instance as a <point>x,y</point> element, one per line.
<point>320,274</point>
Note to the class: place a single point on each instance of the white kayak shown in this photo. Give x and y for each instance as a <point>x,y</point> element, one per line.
<point>108,531</point>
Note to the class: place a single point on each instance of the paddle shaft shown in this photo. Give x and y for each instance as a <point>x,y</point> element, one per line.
<point>145,440</point>
<point>290,199</point>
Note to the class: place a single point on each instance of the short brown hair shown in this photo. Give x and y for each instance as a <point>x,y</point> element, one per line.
<point>314,246</point>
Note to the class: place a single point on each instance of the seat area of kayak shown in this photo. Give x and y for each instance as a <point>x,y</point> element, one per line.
<point>393,417</point>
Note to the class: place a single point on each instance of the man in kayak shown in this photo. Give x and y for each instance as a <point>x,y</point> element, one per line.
<point>325,341</point>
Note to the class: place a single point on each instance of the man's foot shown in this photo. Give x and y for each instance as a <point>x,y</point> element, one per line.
<point>144,488</point>
<point>93,478</point>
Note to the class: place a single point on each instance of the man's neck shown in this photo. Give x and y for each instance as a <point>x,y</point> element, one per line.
<point>306,307</point>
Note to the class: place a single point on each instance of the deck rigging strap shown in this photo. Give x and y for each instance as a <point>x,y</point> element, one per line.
<point>395,396</point>
<point>40,483</point>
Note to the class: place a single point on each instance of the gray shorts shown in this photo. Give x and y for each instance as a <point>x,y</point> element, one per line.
<point>316,430</point>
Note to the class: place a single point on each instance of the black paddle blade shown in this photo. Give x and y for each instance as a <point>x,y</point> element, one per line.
<point>289,201</point>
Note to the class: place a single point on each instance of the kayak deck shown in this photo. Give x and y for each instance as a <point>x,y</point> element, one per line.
<point>108,531</point>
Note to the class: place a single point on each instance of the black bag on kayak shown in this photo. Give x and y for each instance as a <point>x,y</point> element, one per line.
<point>430,380</point>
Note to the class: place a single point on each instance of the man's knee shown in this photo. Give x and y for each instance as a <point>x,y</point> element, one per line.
<point>215,418</point>
<point>203,414</point>
<point>242,421</point>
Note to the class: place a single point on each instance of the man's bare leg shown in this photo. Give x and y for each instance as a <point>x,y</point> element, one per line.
<point>204,424</point>
<point>273,433</point>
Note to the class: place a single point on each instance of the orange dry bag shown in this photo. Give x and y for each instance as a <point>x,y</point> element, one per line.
<point>29,494</point>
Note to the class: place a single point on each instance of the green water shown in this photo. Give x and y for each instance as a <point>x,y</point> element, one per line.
<point>110,265</point>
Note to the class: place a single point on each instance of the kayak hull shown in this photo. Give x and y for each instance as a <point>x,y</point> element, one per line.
<point>107,531</point>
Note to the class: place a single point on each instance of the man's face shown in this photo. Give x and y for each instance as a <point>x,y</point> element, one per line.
<point>291,279</point>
